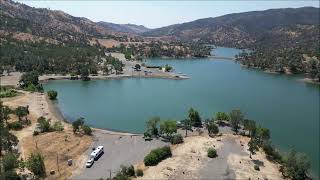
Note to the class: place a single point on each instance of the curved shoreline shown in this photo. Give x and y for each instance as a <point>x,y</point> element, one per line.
<point>56,112</point>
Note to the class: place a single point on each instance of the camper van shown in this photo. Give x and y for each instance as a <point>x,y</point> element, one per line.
<point>97,152</point>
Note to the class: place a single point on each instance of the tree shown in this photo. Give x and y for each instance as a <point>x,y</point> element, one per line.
<point>295,165</point>
<point>221,116</point>
<point>84,74</point>
<point>187,125</point>
<point>137,66</point>
<point>250,126</point>
<point>168,127</point>
<point>44,125</point>
<point>29,78</point>
<point>212,127</point>
<point>263,134</point>
<point>194,117</point>
<point>10,161</point>
<point>77,124</point>
<point>253,145</point>
<point>36,164</point>
<point>152,125</point>
<point>22,111</point>
<point>86,129</point>
<point>52,94</point>
<point>236,118</point>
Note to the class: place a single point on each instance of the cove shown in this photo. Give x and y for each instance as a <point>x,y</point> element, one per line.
<point>288,107</point>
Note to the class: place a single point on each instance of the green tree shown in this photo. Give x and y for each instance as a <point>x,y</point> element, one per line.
<point>212,127</point>
<point>77,124</point>
<point>253,146</point>
<point>168,127</point>
<point>249,125</point>
<point>152,126</point>
<point>36,165</point>
<point>221,116</point>
<point>84,74</point>
<point>22,111</point>
<point>236,118</point>
<point>44,124</point>
<point>194,117</point>
<point>29,78</point>
<point>52,94</point>
<point>187,125</point>
<point>263,134</point>
<point>87,130</point>
<point>10,161</point>
<point>295,165</point>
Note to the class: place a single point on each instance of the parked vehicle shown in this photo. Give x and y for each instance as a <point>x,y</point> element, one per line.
<point>89,162</point>
<point>97,152</point>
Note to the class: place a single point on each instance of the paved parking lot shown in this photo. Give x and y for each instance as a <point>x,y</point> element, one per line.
<point>118,150</point>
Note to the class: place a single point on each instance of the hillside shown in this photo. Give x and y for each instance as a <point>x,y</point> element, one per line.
<point>244,29</point>
<point>125,28</point>
<point>45,23</point>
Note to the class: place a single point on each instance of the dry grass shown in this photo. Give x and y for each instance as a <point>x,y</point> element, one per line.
<point>64,145</point>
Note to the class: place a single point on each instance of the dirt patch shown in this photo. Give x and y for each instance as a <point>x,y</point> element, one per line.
<point>57,148</point>
<point>185,161</point>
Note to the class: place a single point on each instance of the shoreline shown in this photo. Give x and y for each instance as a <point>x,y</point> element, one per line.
<point>301,79</point>
<point>56,112</point>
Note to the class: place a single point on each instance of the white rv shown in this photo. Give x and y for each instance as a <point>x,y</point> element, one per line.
<point>96,153</point>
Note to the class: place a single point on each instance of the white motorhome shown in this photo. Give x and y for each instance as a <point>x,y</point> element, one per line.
<point>96,153</point>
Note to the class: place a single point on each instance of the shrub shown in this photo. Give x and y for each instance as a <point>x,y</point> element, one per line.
<point>130,171</point>
<point>17,125</point>
<point>52,94</point>
<point>86,129</point>
<point>44,125</point>
<point>157,155</point>
<point>177,139</point>
<point>212,153</point>
<point>8,93</point>
<point>36,164</point>
<point>10,161</point>
<point>35,133</point>
<point>220,116</point>
<point>139,173</point>
<point>256,167</point>
<point>77,123</point>
<point>57,126</point>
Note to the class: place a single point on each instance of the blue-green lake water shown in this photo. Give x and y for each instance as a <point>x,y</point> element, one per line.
<point>288,107</point>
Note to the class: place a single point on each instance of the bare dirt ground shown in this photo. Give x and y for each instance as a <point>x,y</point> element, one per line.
<point>190,161</point>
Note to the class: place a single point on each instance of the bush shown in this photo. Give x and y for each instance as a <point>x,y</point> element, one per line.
<point>271,152</point>
<point>256,167</point>
<point>212,153</point>
<point>139,173</point>
<point>36,164</point>
<point>44,125</point>
<point>17,125</point>
<point>86,129</point>
<point>52,94</point>
<point>4,93</point>
<point>177,139</point>
<point>157,155</point>
<point>35,133</point>
<point>57,126</point>
<point>130,171</point>
<point>10,161</point>
<point>222,116</point>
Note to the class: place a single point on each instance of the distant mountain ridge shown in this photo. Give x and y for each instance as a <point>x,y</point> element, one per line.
<point>126,28</point>
<point>241,29</point>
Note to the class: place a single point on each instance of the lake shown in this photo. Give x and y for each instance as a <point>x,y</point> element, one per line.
<point>288,107</point>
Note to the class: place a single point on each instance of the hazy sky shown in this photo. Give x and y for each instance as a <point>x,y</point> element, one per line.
<point>155,14</point>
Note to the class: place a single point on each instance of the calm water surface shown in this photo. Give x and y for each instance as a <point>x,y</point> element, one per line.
<point>288,107</point>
